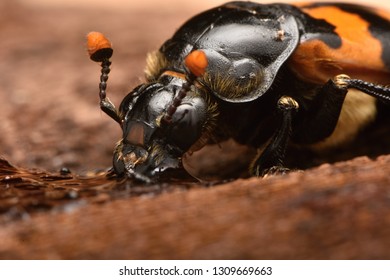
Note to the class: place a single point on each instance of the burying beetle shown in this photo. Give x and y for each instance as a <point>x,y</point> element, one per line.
<point>264,75</point>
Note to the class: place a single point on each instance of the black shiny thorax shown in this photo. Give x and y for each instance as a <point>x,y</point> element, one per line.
<point>231,30</point>
<point>237,16</point>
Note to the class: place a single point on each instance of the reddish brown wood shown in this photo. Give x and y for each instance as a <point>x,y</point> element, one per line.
<point>339,211</point>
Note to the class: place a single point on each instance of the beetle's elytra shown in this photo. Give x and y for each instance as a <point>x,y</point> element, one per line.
<point>264,75</point>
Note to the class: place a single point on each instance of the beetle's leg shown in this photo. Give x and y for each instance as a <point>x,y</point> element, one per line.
<point>380,92</point>
<point>322,116</point>
<point>321,119</point>
<point>271,158</point>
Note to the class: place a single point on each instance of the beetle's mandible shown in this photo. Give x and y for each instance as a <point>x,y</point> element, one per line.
<point>265,75</point>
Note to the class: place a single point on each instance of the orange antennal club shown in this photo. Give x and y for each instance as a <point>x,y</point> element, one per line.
<point>99,47</point>
<point>196,62</point>
<point>100,50</point>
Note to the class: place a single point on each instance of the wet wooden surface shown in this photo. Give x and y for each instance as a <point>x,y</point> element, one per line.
<point>51,119</point>
<point>339,211</point>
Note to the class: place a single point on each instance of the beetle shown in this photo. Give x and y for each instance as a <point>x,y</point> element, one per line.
<point>265,75</point>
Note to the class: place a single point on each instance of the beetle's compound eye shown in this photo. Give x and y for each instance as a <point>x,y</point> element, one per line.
<point>196,62</point>
<point>187,123</point>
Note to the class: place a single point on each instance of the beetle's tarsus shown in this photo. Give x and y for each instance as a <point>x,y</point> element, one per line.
<point>274,170</point>
<point>380,92</point>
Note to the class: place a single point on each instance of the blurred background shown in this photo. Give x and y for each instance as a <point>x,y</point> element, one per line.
<point>50,115</point>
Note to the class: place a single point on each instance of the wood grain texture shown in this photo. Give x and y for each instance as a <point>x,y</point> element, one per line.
<point>339,211</point>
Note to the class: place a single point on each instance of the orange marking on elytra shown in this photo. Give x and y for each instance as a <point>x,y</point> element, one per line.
<point>359,55</point>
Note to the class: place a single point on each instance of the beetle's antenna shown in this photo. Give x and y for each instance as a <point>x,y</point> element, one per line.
<point>167,118</point>
<point>100,50</point>
<point>196,64</point>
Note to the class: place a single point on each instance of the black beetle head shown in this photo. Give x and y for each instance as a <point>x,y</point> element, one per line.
<point>160,120</point>
<point>151,144</point>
